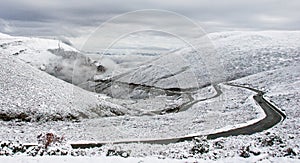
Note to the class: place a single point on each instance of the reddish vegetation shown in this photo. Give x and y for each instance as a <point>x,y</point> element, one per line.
<point>49,138</point>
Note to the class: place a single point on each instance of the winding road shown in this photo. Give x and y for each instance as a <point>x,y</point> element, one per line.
<point>273,116</point>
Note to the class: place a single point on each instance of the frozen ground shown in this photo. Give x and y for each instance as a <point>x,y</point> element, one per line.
<point>266,61</point>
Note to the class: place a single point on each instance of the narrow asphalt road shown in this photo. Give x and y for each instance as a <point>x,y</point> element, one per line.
<point>273,116</point>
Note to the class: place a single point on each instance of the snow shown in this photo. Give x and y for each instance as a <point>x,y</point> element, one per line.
<point>265,60</point>
<point>235,55</point>
<point>35,49</point>
<point>246,53</point>
<point>83,159</point>
<point>282,89</point>
<point>2,35</point>
<point>32,95</point>
<point>203,118</point>
<point>52,56</point>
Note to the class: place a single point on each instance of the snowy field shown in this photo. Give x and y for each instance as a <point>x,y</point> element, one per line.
<point>34,102</point>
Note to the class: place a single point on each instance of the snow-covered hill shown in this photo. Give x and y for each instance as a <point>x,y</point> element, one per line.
<point>51,56</point>
<point>235,55</point>
<point>246,53</point>
<point>30,94</point>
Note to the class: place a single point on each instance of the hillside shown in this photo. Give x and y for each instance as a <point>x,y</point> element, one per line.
<point>162,98</point>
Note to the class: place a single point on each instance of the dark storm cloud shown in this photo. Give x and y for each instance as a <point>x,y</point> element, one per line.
<point>72,17</point>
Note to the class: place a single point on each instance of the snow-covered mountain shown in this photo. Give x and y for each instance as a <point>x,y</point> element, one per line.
<point>263,60</point>
<point>29,94</point>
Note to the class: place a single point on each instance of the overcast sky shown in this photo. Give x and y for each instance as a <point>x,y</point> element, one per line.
<point>75,19</point>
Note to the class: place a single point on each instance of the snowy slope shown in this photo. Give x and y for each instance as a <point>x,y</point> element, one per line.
<point>246,53</point>
<point>51,56</point>
<point>32,95</point>
<point>2,35</point>
<point>282,87</point>
<point>235,55</point>
<point>31,50</point>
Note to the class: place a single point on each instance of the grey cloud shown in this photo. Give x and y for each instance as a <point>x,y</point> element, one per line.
<point>71,17</point>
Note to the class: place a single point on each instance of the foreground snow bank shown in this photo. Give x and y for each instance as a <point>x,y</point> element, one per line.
<point>32,95</point>
<point>83,159</point>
